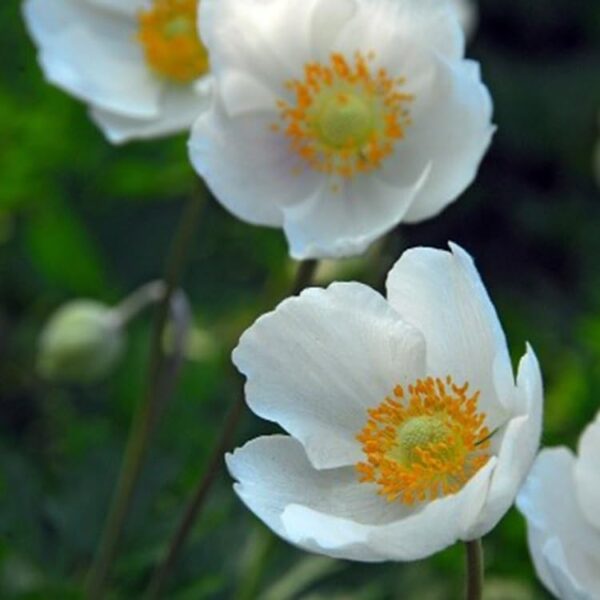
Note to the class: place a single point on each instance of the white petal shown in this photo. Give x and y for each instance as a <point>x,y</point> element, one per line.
<point>268,39</point>
<point>92,53</point>
<point>331,513</point>
<point>273,472</point>
<point>129,8</point>
<point>319,361</point>
<point>518,444</point>
<point>179,108</point>
<point>343,221</point>
<point>442,295</point>
<point>438,525</point>
<point>587,473</point>
<point>567,587</point>
<point>467,15</point>
<point>247,166</point>
<point>547,499</point>
<point>390,28</point>
<point>451,130</point>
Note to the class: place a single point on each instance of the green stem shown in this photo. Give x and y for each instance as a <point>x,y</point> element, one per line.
<point>158,389</point>
<point>303,277</point>
<point>474,565</point>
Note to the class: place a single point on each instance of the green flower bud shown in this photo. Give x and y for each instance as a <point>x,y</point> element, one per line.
<point>80,343</point>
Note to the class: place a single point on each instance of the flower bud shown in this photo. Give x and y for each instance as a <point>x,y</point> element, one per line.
<point>80,343</point>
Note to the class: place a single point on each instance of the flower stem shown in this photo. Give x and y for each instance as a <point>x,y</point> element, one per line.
<point>474,564</point>
<point>303,278</point>
<point>162,373</point>
<point>137,301</point>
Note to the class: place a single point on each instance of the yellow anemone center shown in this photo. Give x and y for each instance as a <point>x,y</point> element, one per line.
<point>345,116</point>
<point>169,36</point>
<point>424,444</point>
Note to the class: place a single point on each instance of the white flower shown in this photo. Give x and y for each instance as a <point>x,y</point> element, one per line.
<point>139,64</point>
<point>407,429</point>
<point>561,502</point>
<point>337,119</point>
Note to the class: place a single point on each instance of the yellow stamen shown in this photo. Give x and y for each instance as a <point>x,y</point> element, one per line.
<point>424,445</point>
<point>169,36</point>
<point>346,117</point>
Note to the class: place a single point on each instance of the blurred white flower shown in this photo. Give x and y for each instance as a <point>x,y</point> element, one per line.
<point>139,64</point>
<point>407,429</point>
<point>561,502</point>
<point>337,119</point>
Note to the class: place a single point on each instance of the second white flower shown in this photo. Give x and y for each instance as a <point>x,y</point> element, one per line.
<point>338,119</point>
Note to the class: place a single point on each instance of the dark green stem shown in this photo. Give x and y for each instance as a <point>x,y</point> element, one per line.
<point>303,278</point>
<point>160,383</point>
<point>474,565</point>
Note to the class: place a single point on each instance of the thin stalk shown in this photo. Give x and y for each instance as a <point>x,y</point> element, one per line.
<point>160,382</point>
<point>129,308</point>
<point>303,278</point>
<point>474,566</point>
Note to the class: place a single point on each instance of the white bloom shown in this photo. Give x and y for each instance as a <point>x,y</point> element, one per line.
<point>337,119</point>
<point>391,455</point>
<point>139,64</point>
<point>561,502</point>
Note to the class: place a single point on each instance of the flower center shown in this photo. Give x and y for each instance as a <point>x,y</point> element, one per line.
<point>345,117</point>
<point>426,444</point>
<point>168,34</point>
<point>344,120</point>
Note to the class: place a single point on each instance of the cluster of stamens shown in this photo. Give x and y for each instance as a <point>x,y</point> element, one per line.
<point>169,36</point>
<point>346,116</point>
<point>424,444</point>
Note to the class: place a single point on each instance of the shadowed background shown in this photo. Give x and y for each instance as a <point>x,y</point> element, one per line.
<point>79,217</point>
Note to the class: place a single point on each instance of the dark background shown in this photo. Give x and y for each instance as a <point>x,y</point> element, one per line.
<point>80,218</point>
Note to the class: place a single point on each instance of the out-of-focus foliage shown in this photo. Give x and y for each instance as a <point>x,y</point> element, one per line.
<point>79,217</point>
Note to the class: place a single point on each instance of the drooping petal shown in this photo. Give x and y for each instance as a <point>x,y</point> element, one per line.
<point>517,444</point>
<point>319,361</point>
<point>179,108</point>
<point>92,54</point>
<point>331,513</point>
<point>554,519</point>
<point>442,295</point>
<point>587,473</point>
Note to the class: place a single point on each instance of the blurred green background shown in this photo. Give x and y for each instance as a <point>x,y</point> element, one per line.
<point>79,217</point>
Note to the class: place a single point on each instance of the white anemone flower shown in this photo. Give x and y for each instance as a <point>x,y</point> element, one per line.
<point>561,502</point>
<point>407,430</point>
<point>139,64</point>
<point>338,119</point>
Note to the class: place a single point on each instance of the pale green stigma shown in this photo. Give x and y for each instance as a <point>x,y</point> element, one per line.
<point>344,120</point>
<point>180,25</point>
<point>416,434</point>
